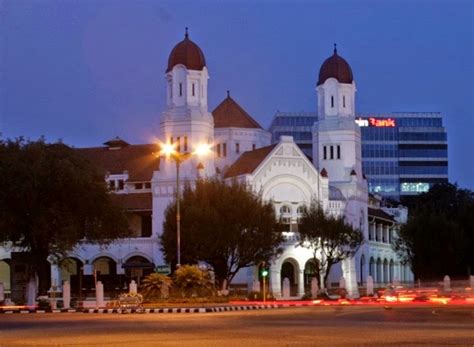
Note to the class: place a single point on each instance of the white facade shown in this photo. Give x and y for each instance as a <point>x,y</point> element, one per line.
<point>285,176</point>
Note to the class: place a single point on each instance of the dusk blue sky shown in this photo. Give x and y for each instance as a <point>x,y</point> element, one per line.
<point>86,71</point>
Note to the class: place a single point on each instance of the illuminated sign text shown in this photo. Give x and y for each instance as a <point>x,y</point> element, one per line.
<point>376,122</point>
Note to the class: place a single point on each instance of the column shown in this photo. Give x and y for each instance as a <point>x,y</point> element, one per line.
<point>301,283</point>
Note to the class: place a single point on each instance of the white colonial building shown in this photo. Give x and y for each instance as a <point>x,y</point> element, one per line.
<point>145,185</point>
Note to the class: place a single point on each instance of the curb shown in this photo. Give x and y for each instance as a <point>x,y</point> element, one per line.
<point>149,310</point>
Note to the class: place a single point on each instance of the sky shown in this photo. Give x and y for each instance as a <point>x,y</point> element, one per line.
<point>86,71</point>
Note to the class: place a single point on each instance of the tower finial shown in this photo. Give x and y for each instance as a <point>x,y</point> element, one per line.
<point>186,33</point>
<point>228,93</point>
<point>335,48</point>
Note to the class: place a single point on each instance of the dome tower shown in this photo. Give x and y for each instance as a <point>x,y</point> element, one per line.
<point>335,88</point>
<point>186,121</point>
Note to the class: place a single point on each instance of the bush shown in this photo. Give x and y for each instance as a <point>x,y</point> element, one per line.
<point>156,286</point>
<point>191,281</point>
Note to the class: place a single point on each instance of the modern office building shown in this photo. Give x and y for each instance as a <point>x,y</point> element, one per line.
<point>403,154</point>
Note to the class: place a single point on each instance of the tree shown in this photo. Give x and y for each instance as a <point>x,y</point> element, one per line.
<point>225,225</point>
<point>330,237</point>
<point>51,198</point>
<point>439,236</point>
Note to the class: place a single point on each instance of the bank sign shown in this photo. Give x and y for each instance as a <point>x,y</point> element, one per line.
<point>376,122</point>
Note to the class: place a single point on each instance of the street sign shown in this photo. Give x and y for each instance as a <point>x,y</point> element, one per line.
<point>163,269</point>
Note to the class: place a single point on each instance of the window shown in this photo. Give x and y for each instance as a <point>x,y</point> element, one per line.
<point>146,226</point>
<point>185,144</point>
<point>338,152</point>
<point>332,101</point>
<point>112,185</point>
<point>332,152</point>
<point>254,147</point>
<point>171,140</point>
<point>148,185</point>
<point>237,147</point>
<point>193,90</point>
<point>180,89</point>
<point>178,147</point>
<point>218,151</point>
<point>121,184</point>
<point>325,152</point>
<point>344,101</point>
<point>138,185</point>
<point>224,149</point>
<point>285,214</point>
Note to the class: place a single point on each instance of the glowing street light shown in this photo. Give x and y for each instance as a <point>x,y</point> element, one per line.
<point>169,150</point>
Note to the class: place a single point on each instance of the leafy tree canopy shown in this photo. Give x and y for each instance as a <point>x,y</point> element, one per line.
<point>225,225</point>
<point>438,238</point>
<point>330,237</point>
<point>51,197</point>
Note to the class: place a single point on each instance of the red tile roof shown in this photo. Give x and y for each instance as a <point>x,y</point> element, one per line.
<point>139,160</point>
<point>229,114</point>
<point>134,201</point>
<point>188,54</point>
<point>248,161</point>
<point>336,67</point>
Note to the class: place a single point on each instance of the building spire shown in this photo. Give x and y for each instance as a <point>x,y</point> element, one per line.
<point>335,48</point>
<point>186,35</point>
<point>228,94</point>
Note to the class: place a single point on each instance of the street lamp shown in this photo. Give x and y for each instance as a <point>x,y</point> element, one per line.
<point>169,151</point>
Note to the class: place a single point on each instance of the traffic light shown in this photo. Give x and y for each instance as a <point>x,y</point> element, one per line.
<point>264,272</point>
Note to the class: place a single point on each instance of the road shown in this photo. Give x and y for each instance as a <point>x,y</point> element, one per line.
<point>302,326</point>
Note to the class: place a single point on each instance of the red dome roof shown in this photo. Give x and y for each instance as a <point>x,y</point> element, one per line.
<point>188,54</point>
<point>335,67</point>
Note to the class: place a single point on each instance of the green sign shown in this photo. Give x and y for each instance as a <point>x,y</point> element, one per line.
<point>163,269</point>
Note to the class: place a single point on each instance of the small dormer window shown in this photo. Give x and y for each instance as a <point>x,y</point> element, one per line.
<point>332,101</point>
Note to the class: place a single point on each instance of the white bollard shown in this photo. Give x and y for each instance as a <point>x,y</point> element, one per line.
<point>2,292</point>
<point>447,283</point>
<point>370,285</point>
<point>132,289</point>
<point>342,283</point>
<point>99,294</point>
<point>314,287</point>
<point>66,295</point>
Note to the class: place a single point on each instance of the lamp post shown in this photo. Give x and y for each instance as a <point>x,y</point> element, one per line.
<point>170,152</point>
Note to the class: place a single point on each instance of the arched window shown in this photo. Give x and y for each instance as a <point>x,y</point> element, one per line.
<point>372,268</point>
<point>285,214</point>
<point>332,101</point>
<point>379,271</point>
<point>385,271</point>
<point>362,269</point>
<point>344,101</point>
<point>391,269</point>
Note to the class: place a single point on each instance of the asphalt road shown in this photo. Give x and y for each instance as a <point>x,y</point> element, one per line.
<point>303,326</point>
